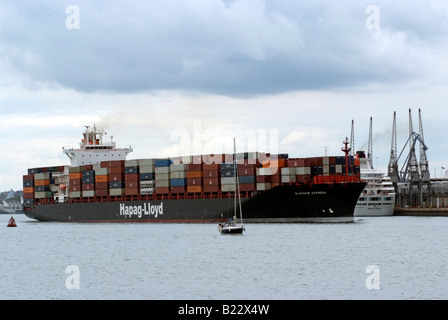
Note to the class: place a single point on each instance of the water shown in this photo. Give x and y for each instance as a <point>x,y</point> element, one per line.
<point>194,261</point>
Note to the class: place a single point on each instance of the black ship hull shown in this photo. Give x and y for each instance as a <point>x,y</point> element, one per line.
<point>282,204</point>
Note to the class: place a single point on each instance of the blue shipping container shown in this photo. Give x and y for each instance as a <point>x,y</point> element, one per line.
<point>163,163</point>
<point>178,182</point>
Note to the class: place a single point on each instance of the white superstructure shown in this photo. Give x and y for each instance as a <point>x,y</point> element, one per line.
<point>378,197</point>
<point>94,150</point>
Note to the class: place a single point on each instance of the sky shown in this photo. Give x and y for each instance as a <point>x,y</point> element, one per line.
<point>180,77</point>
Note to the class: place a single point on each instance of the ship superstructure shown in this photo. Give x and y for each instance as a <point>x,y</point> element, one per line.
<point>93,150</point>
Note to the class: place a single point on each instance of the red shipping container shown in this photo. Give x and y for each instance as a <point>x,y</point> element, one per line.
<point>296,162</point>
<point>111,164</point>
<point>211,173</point>
<point>28,177</point>
<point>246,171</point>
<point>101,185</point>
<point>213,188</point>
<point>28,195</point>
<point>211,181</point>
<point>194,167</point>
<point>179,189</point>
<point>131,185</point>
<point>74,182</point>
<point>131,177</point>
<point>211,167</point>
<point>194,181</point>
<point>116,177</point>
<point>88,187</point>
<point>74,188</point>
<point>263,179</point>
<point>163,190</point>
<point>131,192</point>
<point>247,187</point>
<point>116,170</point>
<point>102,192</point>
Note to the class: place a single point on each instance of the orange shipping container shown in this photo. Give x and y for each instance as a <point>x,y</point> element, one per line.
<point>75,175</point>
<point>193,189</point>
<point>28,190</point>
<point>42,182</point>
<point>103,178</point>
<point>194,174</point>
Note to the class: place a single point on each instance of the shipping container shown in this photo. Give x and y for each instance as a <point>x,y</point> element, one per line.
<point>28,195</point>
<point>131,163</point>
<point>210,174</point>
<point>228,187</point>
<point>102,192</point>
<point>247,179</point>
<point>88,193</point>
<point>131,177</point>
<point>101,178</point>
<point>41,182</point>
<point>194,174</point>
<point>263,186</point>
<point>194,181</point>
<point>162,170</point>
<point>162,163</point>
<point>147,169</point>
<point>177,189</point>
<point>131,192</point>
<point>178,182</point>
<point>116,191</point>
<point>211,188</point>
<point>211,181</point>
<point>162,190</point>
<point>194,189</point>
<point>162,176</point>
<point>228,180</point>
<point>162,183</point>
<point>116,185</point>
<point>178,174</point>
<point>131,170</point>
<point>147,176</point>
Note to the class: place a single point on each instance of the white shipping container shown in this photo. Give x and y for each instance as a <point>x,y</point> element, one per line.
<point>229,180</point>
<point>263,186</point>
<point>146,190</point>
<point>178,167</point>
<point>131,163</point>
<point>162,176</point>
<point>288,179</point>
<point>88,193</point>
<point>147,184</point>
<point>266,171</point>
<point>228,188</point>
<point>303,170</point>
<point>146,162</point>
<point>288,171</point>
<point>338,168</point>
<point>147,169</point>
<point>178,174</point>
<point>116,191</point>
<point>162,183</point>
<point>162,170</point>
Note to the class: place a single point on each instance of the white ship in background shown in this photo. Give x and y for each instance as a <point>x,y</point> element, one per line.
<point>378,197</point>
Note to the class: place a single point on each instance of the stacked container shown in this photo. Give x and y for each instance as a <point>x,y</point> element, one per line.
<point>194,177</point>
<point>28,189</point>
<point>115,177</point>
<point>211,177</point>
<point>101,181</point>
<point>147,176</point>
<point>228,179</point>
<point>132,177</point>
<point>178,178</point>
<point>162,171</point>
<point>88,183</point>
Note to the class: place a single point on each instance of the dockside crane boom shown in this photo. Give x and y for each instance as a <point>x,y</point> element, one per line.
<point>393,161</point>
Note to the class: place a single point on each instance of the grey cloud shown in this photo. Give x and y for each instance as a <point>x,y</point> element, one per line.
<point>224,47</point>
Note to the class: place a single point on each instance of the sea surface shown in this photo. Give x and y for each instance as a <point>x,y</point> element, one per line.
<point>374,258</point>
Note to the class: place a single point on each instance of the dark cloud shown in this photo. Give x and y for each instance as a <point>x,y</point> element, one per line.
<point>226,47</point>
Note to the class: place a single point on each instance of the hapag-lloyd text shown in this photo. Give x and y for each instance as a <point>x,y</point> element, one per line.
<point>141,210</point>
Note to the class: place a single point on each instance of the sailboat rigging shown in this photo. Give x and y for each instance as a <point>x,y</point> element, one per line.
<point>231,226</point>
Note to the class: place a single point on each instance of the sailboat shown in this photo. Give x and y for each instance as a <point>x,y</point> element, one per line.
<point>231,226</point>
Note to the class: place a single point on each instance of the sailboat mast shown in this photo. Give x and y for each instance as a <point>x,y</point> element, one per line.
<point>237,182</point>
<point>234,174</point>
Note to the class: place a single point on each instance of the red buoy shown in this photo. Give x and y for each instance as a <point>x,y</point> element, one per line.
<point>12,222</point>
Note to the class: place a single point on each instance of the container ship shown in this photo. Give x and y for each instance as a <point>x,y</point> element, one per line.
<point>100,185</point>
